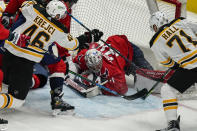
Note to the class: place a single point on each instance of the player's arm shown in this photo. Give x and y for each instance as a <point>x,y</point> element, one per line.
<point>71,43</point>
<point>117,82</point>
<point>11,9</point>
<point>79,60</point>
<point>193,26</point>
<point>163,58</point>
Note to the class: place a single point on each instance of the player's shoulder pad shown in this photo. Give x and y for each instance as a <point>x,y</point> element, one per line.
<point>28,3</point>
<point>162,28</point>
<point>42,11</point>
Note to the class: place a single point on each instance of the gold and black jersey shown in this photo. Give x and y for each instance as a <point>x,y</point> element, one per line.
<point>43,31</point>
<point>175,43</point>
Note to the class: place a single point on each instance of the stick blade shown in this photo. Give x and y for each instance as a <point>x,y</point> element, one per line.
<point>139,94</point>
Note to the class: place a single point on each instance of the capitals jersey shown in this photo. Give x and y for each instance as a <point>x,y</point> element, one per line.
<point>43,31</point>
<point>176,44</point>
<point>113,64</point>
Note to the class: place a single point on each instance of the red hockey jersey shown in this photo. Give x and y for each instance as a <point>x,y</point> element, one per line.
<point>113,64</point>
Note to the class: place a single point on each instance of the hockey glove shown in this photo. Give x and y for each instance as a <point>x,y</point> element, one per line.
<point>6,19</point>
<point>89,37</point>
<point>95,35</point>
<point>20,40</point>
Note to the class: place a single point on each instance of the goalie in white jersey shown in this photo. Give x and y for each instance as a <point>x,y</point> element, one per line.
<point>42,26</point>
<point>174,45</point>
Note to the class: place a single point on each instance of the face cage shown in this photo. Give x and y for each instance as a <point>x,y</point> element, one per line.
<point>95,68</point>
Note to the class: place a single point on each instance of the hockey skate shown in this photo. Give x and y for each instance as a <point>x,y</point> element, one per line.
<point>3,124</point>
<point>172,125</point>
<point>59,106</point>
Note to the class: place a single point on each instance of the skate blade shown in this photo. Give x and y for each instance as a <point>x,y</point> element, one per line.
<point>3,127</point>
<point>58,112</point>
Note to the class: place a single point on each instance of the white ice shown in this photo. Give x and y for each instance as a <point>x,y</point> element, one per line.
<point>100,113</point>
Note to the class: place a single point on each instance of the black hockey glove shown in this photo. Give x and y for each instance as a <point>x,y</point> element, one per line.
<point>95,35</point>
<point>89,37</point>
<point>6,19</point>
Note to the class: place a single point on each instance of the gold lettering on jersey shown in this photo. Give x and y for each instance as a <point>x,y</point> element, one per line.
<point>168,33</point>
<point>44,24</point>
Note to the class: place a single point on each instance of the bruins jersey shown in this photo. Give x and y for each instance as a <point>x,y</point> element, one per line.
<point>2,7</point>
<point>43,31</point>
<point>176,44</point>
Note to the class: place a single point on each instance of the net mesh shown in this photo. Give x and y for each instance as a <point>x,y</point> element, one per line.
<point>128,17</point>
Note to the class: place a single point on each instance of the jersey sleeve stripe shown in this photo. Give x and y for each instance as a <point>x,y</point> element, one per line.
<point>75,47</point>
<point>23,50</point>
<point>187,57</point>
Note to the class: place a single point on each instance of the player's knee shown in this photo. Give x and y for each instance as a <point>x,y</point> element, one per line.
<point>167,91</point>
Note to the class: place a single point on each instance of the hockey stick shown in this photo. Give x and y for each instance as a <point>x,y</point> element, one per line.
<point>142,92</point>
<point>79,88</point>
<point>168,72</point>
<point>130,97</point>
<point>115,50</point>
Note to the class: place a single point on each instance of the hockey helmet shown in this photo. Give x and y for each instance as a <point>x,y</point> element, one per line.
<point>93,59</point>
<point>158,19</point>
<point>56,9</point>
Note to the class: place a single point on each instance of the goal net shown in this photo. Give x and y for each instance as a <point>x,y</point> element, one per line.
<point>128,17</point>
<point>124,17</point>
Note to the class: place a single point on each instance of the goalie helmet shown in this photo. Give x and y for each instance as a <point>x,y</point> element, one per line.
<point>56,9</point>
<point>93,59</point>
<point>158,19</point>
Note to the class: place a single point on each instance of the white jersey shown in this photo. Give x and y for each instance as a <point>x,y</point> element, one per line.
<point>175,43</point>
<point>43,31</point>
<point>2,7</point>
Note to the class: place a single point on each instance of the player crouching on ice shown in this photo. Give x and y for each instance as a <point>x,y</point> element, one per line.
<point>101,64</point>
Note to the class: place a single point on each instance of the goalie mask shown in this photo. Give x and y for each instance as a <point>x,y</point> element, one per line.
<point>93,59</point>
<point>56,9</point>
<point>158,19</point>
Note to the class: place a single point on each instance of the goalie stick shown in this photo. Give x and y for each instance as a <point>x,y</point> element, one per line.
<point>165,77</point>
<point>80,89</point>
<point>129,97</point>
<point>144,92</point>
